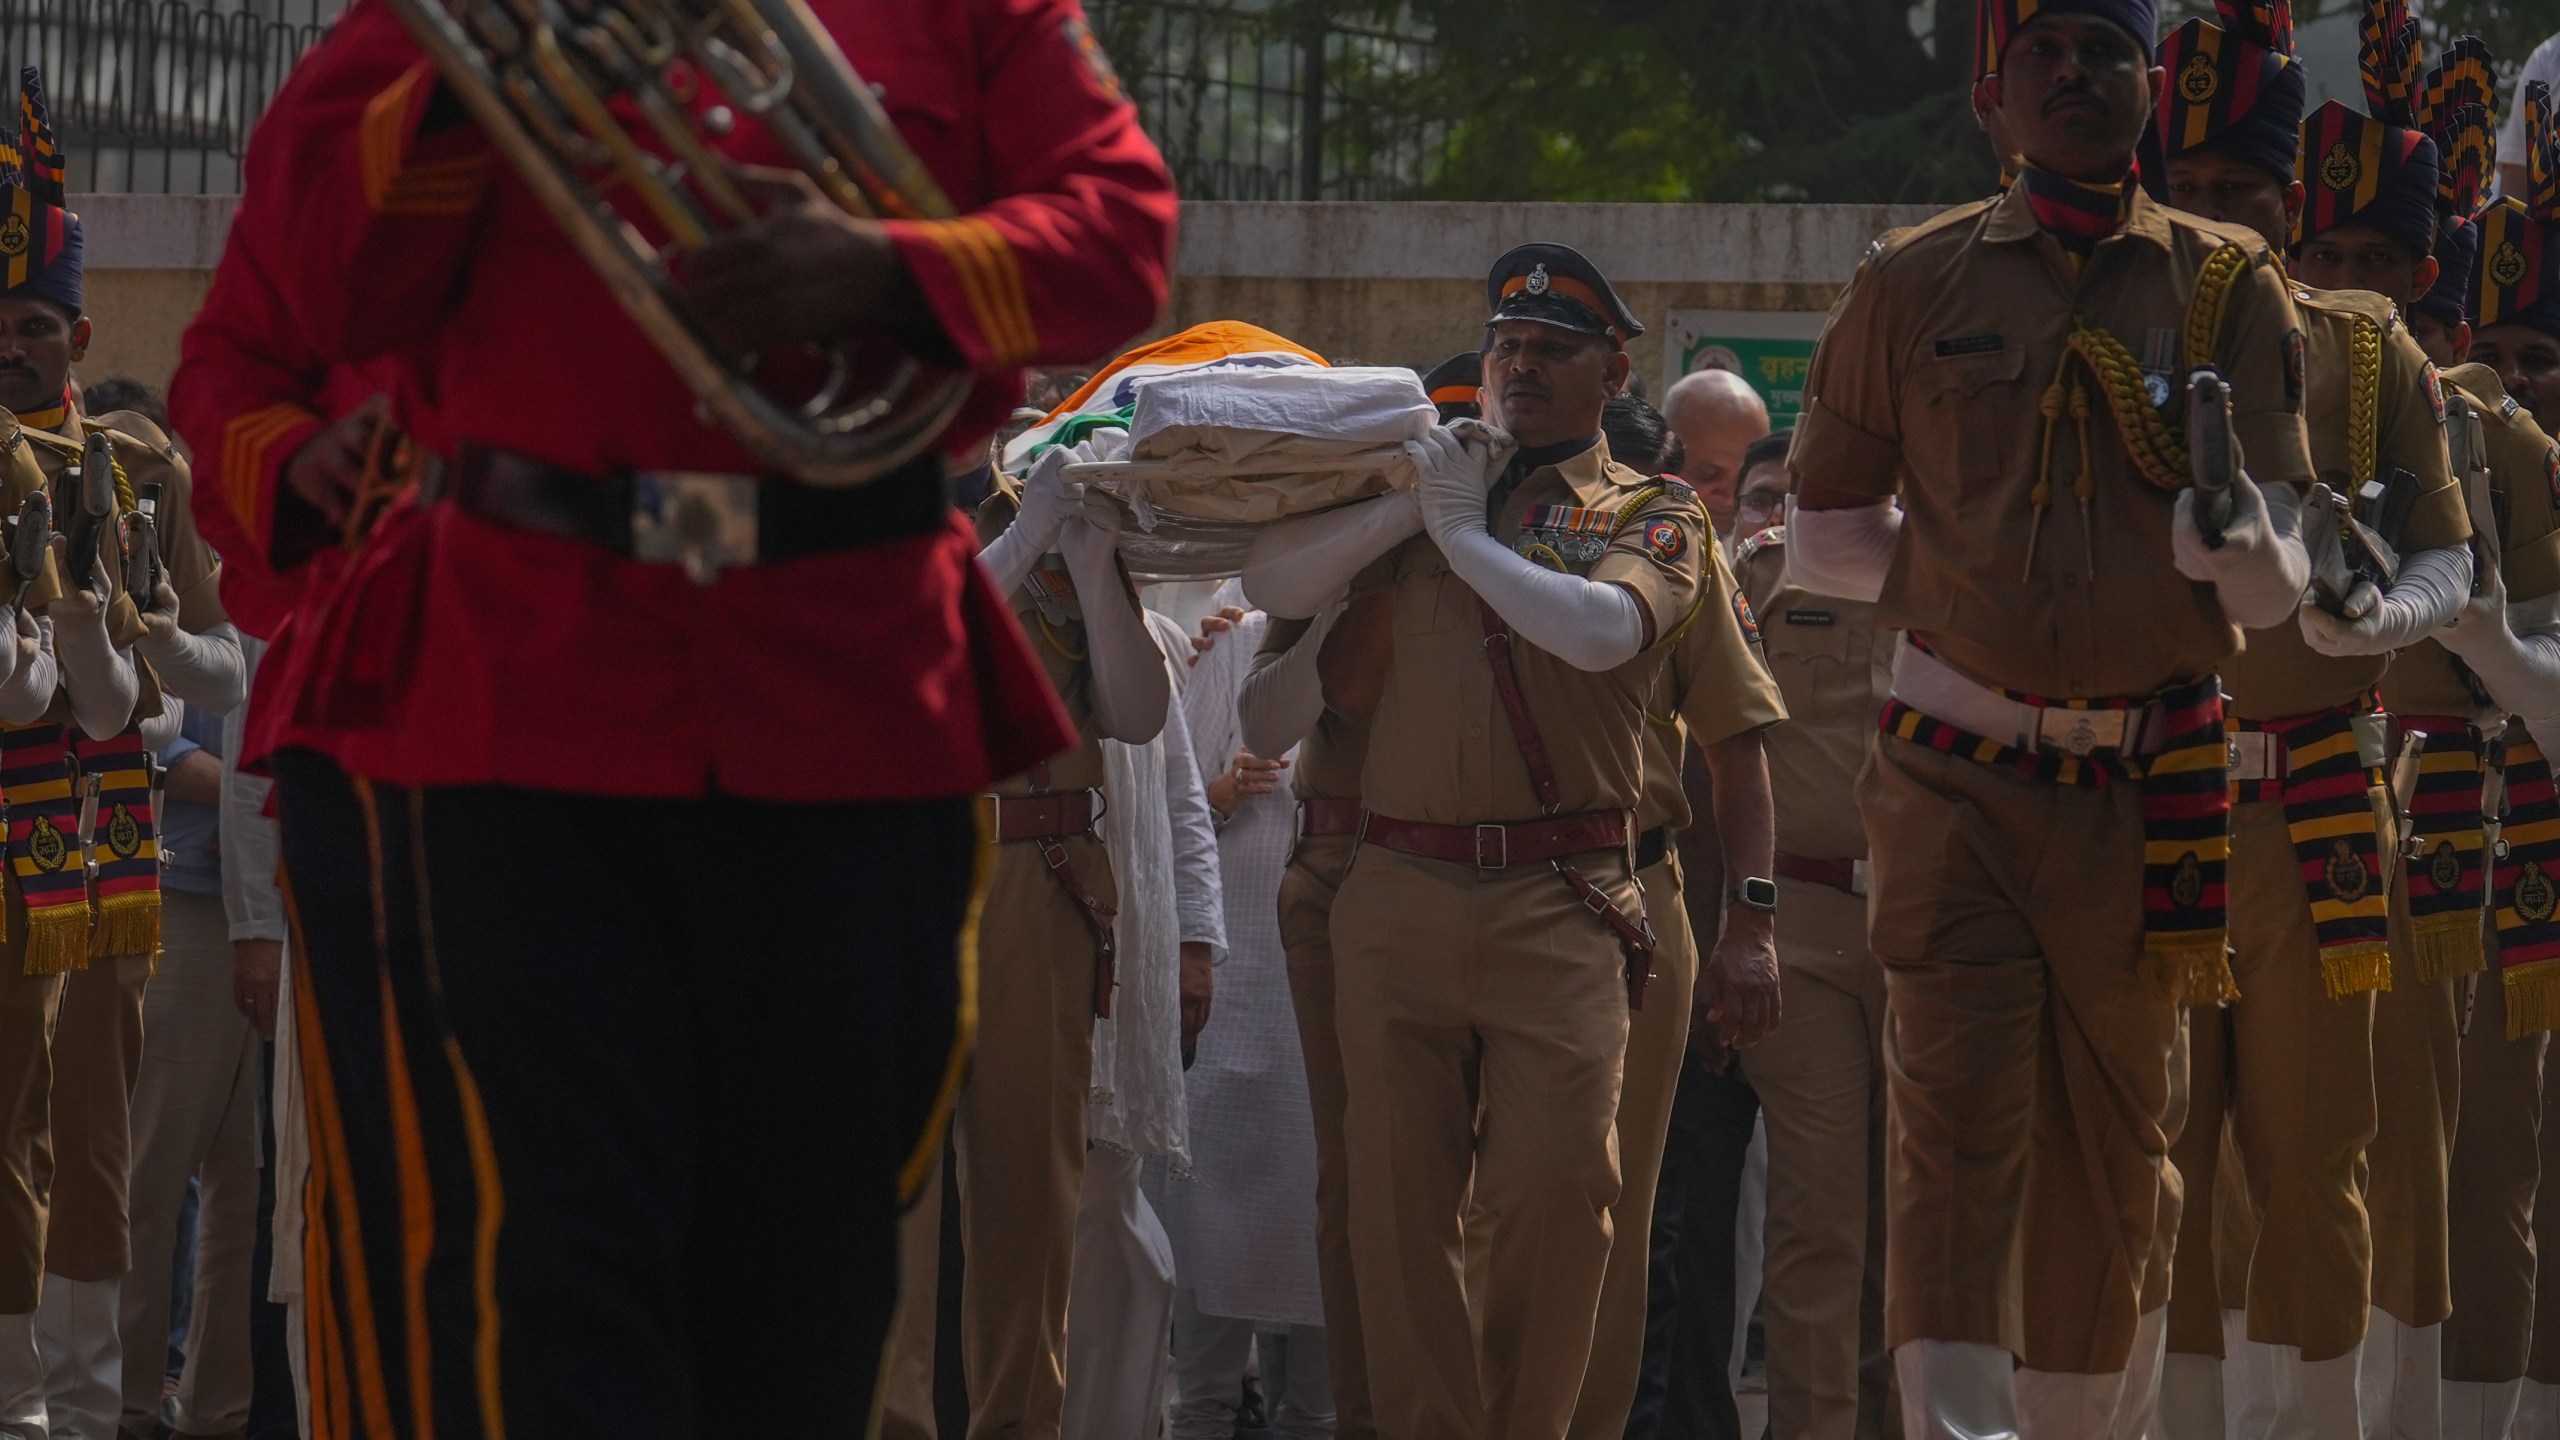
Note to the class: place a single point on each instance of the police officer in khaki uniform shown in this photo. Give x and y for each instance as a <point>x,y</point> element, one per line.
<point>2045,811</point>
<point>2290,1063</point>
<point>1704,729</point>
<point>1044,964</point>
<point>1821,1076</point>
<point>2499,1344</point>
<point>1489,936</point>
<point>94,941</point>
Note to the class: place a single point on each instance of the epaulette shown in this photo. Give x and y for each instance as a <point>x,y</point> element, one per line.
<point>129,427</point>
<point>61,443</point>
<point>1961,217</point>
<point>2363,303</point>
<point>1772,538</point>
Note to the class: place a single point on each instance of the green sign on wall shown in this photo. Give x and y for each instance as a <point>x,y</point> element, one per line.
<point>1772,349</point>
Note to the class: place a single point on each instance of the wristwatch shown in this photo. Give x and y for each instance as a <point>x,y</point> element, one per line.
<point>1756,894</point>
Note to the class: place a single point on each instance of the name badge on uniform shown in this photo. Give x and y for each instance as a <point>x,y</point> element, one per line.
<point>1821,619</point>
<point>1963,345</point>
<point>1564,537</point>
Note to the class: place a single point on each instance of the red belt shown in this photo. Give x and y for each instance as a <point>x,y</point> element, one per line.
<point>1328,817</point>
<point>1498,847</point>
<point>1841,875</point>
<point>1046,817</point>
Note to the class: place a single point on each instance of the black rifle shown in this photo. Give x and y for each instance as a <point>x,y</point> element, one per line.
<point>93,494</point>
<point>30,537</point>
<point>2213,460</point>
<point>142,546</point>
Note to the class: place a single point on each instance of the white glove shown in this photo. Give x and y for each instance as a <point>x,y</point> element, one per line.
<point>204,670</point>
<point>2262,568</point>
<point>1132,689</point>
<point>100,677</point>
<point>1298,565</point>
<point>2428,593</point>
<point>1456,464</point>
<point>1048,501</point>
<point>2515,650</point>
<point>1588,624</point>
<point>33,672</point>
<point>1843,553</point>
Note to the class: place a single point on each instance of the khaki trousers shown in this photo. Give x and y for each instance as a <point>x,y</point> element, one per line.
<point>1483,1019</point>
<point>1020,1143</point>
<point>1307,890</point>
<point>1657,1042</point>
<point>2296,1086</point>
<point>2195,1299</point>
<point>28,1005</point>
<point>1821,1085</point>
<point>2542,1366</point>
<point>2008,914</point>
<point>195,1112</point>
<point>2417,1091</point>
<point>97,1062</point>
<point>2497,1164</point>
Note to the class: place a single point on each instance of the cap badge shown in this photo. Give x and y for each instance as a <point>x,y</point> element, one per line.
<point>1536,284</point>
<point>2341,169</point>
<point>2198,80</point>
<point>2506,267</point>
<point>14,237</point>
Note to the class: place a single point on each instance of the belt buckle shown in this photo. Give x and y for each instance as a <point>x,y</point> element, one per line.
<point>1501,850</point>
<point>701,519</point>
<point>2078,732</point>
<point>1858,878</point>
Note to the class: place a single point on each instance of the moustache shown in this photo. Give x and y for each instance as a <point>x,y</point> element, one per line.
<point>2090,98</point>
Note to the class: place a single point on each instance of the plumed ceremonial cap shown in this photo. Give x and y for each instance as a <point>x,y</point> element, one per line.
<point>2234,86</point>
<point>40,239</point>
<point>1997,22</point>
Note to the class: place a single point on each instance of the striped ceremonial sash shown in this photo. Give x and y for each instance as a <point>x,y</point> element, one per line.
<point>2525,891</point>
<point>2447,841</point>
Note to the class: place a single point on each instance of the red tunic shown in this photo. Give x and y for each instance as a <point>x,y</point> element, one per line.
<point>456,651</point>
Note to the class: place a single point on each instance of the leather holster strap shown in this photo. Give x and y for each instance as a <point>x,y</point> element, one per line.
<point>1841,875</point>
<point>1098,919</point>
<point>1635,936</point>
<point>1046,817</point>
<point>1500,847</point>
<point>1328,817</point>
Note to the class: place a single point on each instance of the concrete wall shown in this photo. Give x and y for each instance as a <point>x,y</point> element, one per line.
<point>1384,283</point>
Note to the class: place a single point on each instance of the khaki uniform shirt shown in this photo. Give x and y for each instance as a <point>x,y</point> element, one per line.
<point>1932,373</point>
<point>1329,759</point>
<point>1441,750</point>
<point>1714,687</point>
<point>193,570</point>
<point>1051,616</point>
<point>2524,476</point>
<point>2367,377</point>
<point>1835,667</point>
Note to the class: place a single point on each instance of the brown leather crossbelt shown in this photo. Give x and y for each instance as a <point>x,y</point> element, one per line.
<point>1043,818</point>
<point>1328,817</point>
<point>1635,935</point>
<point>1499,847</point>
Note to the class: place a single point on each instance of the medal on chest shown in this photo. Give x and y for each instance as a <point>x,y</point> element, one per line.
<point>1564,537</point>
<point>1053,591</point>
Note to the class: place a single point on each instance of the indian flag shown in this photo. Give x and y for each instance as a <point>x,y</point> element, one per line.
<point>1111,396</point>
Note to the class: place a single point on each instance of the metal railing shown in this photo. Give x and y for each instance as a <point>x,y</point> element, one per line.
<point>156,95</point>
<point>1252,100</point>
<point>1249,99</point>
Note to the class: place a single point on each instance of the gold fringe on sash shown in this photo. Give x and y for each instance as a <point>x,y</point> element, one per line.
<point>2355,969</point>
<point>2533,998</point>
<point>130,925</point>
<point>2448,945</point>
<point>2189,969</point>
<point>58,940</point>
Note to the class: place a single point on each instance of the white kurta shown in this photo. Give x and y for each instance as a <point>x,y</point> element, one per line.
<point>1244,1223</point>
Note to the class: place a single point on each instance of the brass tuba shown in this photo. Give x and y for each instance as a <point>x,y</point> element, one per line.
<point>539,77</point>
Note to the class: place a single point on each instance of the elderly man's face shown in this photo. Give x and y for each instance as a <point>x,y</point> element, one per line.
<point>1715,426</point>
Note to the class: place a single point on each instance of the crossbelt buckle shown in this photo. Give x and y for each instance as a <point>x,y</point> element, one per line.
<point>1499,857</point>
<point>1858,878</point>
<point>2079,732</point>
<point>700,519</point>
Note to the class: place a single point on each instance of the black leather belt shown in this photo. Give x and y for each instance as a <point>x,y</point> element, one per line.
<point>704,521</point>
<point>1653,847</point>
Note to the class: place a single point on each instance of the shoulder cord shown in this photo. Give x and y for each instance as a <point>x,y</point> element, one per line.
<point>2159,455</point>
